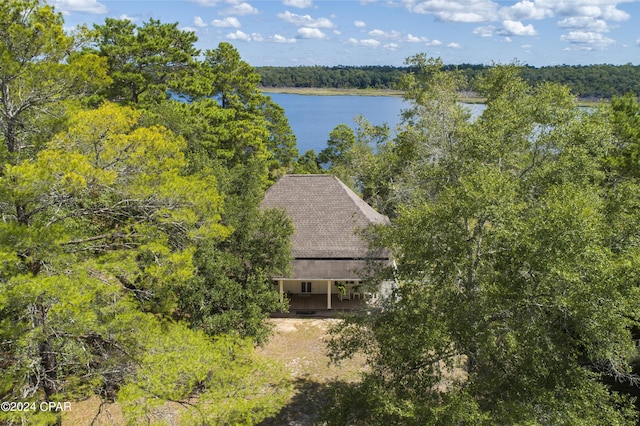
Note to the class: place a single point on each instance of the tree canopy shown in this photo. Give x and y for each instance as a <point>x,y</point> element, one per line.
<point>135,261</point>
<point>517,264</point>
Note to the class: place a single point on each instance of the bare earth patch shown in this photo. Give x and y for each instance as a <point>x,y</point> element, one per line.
<point>300,344</point>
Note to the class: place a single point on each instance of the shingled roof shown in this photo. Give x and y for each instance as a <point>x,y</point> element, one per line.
<point>326,215</point>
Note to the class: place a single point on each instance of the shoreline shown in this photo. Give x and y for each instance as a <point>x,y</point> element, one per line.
<point>330,91</point>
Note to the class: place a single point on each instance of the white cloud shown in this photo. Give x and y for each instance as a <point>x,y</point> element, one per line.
<point>198,22</point>
<point>359,24</point>
<point>454,46</point>
<point>456,10</point>
<point>305,20</point>
<point>281,39</point>
<point>300,4</point>
<point>390,46</point>
<point>306,32</point>
<point>206,3</point>
<point>239,35</point>
<point>611,13</point>
<point>415,39</point>
<point>257,37</point>
<point>603,9</point>
<point>587,40</point>
<point>526,10</point>
<point>517,28</point>
<point>369,42</point>
<point>240,9</point>
<point>584,23</point>
<point>84,6</point>
<point>384,34</point>
<point>128,18</point>
<point>228,22</point>
<point>486,31</point>
<point>434,43</point>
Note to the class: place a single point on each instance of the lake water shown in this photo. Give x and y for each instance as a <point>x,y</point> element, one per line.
<point>312,118</point>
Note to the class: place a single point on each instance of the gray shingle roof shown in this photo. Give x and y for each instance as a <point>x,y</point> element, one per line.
<point>326,215</point>
<point>322,269</point>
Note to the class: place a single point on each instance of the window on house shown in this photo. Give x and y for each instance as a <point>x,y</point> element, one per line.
<point>305,287</point>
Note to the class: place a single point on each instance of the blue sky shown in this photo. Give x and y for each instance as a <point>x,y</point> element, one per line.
<point>380,32</point>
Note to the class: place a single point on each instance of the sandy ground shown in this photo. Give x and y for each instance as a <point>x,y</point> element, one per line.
<point>299,344</point>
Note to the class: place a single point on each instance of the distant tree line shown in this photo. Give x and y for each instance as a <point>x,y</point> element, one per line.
<point>585,81</point>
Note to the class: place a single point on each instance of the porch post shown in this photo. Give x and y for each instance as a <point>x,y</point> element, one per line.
<point>281,288</point>
<point>329,294</point>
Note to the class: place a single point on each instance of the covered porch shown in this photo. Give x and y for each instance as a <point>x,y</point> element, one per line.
<point>316,304</point>
<point>314,296</point>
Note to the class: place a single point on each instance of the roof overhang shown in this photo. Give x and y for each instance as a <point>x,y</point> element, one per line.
<point>335,269</point>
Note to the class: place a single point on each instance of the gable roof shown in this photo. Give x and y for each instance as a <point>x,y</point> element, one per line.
<point>326,215</point>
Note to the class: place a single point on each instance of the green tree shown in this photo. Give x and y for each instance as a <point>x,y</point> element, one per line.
<point>229,78</point>
<point>224,76</point>
<point>307,163</point>
<point>350,155</point>
<point>145,62</point>
<point>233,291</point>
<point>39,68</point>
<point>626,120</point>
<point>341,140</point>
<point>511,304</point>
<point>92,266</point>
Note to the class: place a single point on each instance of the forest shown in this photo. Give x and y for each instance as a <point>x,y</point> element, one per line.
<point>136,263</point>
<point>588,82</point>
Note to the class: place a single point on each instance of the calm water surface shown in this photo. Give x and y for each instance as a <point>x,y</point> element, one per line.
<point>312,118</point>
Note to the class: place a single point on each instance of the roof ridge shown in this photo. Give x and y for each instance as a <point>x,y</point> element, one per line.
<point>360,204</point>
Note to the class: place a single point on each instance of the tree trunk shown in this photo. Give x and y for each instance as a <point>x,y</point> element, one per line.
<point>48,362</point>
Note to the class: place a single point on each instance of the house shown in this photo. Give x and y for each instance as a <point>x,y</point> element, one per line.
<point>328,253</point>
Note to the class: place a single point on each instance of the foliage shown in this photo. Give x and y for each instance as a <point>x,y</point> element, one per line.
<point>96,256</point>
<point>626,121</point>
<point>233,290</point>
<point>339,147</point>
<point>39,70</point>
<point>135,261</point>
<point>513,304</point>
<point>145,61</point>
<point>233,385</point>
